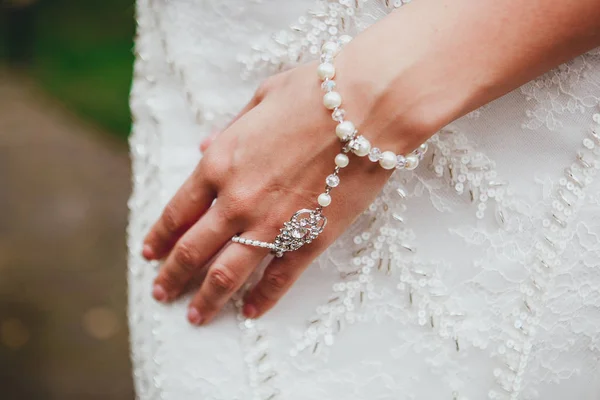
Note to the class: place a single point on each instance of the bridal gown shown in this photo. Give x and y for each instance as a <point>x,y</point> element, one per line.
<point>476,276</point>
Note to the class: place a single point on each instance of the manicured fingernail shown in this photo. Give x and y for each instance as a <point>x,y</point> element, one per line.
<point>159,293</point>
<point>194,316</point>
<point>249,311</point>
<point>147,252</point>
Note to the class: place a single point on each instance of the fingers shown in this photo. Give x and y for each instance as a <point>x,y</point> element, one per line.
<point>190,202</point>
<point>224,277</point>
<point>195,248</point>
<point>187,206</point>
<point>278,277</point>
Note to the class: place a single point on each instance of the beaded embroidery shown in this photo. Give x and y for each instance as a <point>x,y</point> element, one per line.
<point>476,173</point>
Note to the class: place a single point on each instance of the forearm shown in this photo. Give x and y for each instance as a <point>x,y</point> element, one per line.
<point>433,61</point>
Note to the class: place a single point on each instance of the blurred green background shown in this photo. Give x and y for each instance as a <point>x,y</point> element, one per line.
<point>78,51</point>
<point>65,75</point>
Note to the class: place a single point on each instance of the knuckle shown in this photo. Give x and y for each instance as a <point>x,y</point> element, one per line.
<point>277,280</point>
<point>213,166</point>
<point>170,219</point>
<point>264,88</point>
<point>168,280</point>
<point>262,298</point>
<point>242,200</point>
<point>238,205</point>
<point>229,213</point>
<point>187,257</point>
<point>222,279</point>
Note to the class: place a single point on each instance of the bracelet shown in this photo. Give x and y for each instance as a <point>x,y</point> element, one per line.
<point>345,130</point>
<point>306,225</point>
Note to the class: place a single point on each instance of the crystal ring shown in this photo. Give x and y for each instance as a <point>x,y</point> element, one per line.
<point>304,227</point>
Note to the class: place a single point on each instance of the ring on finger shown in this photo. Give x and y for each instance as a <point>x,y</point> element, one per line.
<point>304,227</point>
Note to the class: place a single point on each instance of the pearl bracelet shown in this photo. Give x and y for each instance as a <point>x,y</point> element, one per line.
<point>346,131</point>
<point>306,225</point>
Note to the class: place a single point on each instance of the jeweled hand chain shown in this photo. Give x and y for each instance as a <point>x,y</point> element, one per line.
<point>306,225</point>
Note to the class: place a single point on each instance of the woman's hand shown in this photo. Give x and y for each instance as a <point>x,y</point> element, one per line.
<point>268,164</point>
<point>402,79</point>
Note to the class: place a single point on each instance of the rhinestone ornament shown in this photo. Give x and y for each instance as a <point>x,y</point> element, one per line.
<point>332,180</point>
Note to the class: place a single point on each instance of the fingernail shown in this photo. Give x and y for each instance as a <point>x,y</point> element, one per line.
<point>159,293</point>
<point>249,311</point>
<point>147,252</point>
<point>194,316</point>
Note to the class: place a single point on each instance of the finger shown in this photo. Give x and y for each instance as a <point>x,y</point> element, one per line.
<point>278,277</point>
<point>225,276</point>
<point>189,203</point>
<point>195,248</point>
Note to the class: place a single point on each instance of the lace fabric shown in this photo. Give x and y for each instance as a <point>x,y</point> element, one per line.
<point>475,276</point>
<point>571,88</point>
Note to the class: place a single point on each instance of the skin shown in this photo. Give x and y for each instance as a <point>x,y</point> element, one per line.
<point>272,159</point>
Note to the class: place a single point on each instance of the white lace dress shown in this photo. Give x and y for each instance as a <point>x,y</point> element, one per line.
<point>474,277</point>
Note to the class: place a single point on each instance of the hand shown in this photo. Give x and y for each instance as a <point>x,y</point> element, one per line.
<point>269,163</point>
<point>273,159</point>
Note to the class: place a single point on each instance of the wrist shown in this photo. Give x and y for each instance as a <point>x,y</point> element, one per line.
<point>400,92</point>
<point>397,112</point>
<point>354,141</point>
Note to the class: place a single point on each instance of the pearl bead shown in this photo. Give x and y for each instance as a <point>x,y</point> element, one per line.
<point>388,160</point>
<point>326,71</point>
<point>332,100</point>
<point>330,47</point>
<point>324,199</point>
<point>345,39</point>
<point>412,161</point>
<point>363,146</point>
<point>345,130</point>
<point>342,160</point>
